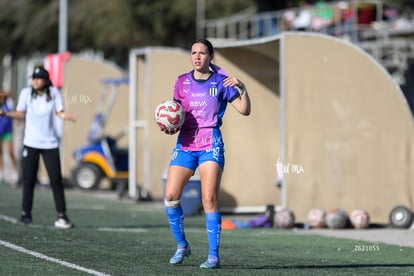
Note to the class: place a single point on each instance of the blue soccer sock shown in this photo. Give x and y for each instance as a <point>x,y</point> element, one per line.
<point>213,225</point>
<point>176,220</point>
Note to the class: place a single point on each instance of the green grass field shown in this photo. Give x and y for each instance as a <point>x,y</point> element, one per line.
<point>113,237</point>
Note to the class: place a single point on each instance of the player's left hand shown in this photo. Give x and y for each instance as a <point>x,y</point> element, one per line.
<point>70,117</point>
<point>233,81</point>
<point>67,117</point>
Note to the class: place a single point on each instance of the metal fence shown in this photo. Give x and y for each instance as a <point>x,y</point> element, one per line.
<point>249,25</point>
<point>387,36</point>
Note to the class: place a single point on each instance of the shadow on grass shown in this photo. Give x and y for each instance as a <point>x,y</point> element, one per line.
<point>189,228</point>
<point>322,266</point>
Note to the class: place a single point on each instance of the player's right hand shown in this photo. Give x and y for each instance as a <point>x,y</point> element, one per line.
<point>171,132</point>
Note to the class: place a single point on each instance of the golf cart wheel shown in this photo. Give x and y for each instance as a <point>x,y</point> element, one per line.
<point>87,176</point>
<point>401,217</point>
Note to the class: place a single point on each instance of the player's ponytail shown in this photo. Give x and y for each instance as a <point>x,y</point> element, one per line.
<point>214,68</point>
<point>217,69</point>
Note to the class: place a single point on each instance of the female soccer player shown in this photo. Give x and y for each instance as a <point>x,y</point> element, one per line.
<point>204,95</point>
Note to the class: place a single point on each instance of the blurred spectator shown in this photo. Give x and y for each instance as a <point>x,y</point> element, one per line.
<point>6,138</point>
<point>346,15</point>
<point>288,16</point>
<point>366,14</point>
<point>390,14</point>
<point>395,20</point>
<point>323,18</point>
<point>303,20</point>
<point>268,26</point>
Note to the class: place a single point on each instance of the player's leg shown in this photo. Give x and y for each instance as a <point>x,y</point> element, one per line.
<point>210,174</point>
<point>1,158</point>
<point>51,159</point>
<point>8,141</point>
<point>8,144</point>
<point>179,172</point>
<point>30,164</point>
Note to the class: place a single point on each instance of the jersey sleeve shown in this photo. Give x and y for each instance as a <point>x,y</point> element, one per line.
<point>10,103</point>
<point>58,100</point>
<point>230,94</point>
<point>22,102</point>
<point>177,96</point>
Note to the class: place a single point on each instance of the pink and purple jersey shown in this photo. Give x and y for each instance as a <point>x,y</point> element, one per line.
<point>204,103</point>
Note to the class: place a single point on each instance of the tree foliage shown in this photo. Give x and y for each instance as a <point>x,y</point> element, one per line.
<point>114,27</point>
<point>110,26</point>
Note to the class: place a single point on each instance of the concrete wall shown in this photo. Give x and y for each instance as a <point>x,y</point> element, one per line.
<point>81,91</point>
<point>349,132</point>
<point>347,124</point>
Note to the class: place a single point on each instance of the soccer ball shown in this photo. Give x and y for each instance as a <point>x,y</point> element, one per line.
<point>169,115</point>
<point>316,218</point>
<point>284,218</point>
<point>401,217</point>
<point>359,219</point>
<point>336,219</point>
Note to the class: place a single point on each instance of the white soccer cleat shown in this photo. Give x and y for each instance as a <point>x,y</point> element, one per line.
<point>63,222</point>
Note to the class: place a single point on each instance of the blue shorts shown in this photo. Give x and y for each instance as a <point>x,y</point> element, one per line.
<point>192,159</point>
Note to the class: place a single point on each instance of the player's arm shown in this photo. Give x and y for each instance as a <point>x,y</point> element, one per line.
<point>4,93</point>
<point>19,115</point>
<point>66,116</point>
<point>241,103</point>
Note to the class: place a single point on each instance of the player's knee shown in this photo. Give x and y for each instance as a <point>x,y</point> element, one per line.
<point>209,202</point>
<point>171,203</point>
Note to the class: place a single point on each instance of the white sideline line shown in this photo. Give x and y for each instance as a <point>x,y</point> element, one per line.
<point>50,259</point>
<point>8,219</point>
<point>42,256</point>
<point>15,221</point>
